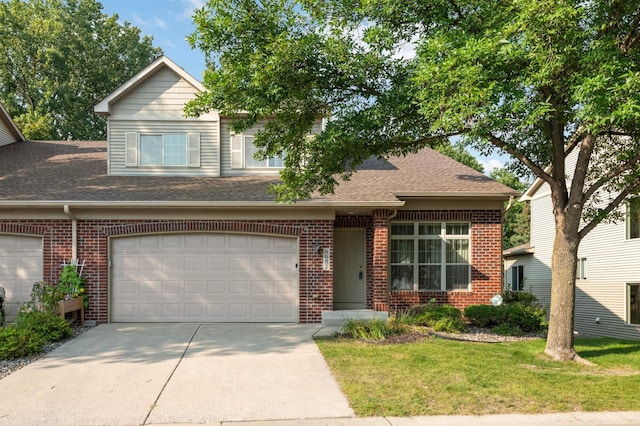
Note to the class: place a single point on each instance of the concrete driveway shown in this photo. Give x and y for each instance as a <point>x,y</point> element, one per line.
<point>134,374</point>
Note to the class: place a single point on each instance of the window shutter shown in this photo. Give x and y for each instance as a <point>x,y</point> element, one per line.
<point>236,151</point>
<point>193,149</point>
<point>514,278</point>
<point>131,148</point>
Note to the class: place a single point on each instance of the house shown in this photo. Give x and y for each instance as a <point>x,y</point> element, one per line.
<point>608,279</point>
<point>173,222</point>
<point>9,132</point>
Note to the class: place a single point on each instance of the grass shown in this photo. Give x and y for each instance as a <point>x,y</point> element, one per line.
<point>444,377</point>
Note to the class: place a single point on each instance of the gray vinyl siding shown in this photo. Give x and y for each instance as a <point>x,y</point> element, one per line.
<point>163,94</point>
<point>225,148</point>
<point>209,146</point>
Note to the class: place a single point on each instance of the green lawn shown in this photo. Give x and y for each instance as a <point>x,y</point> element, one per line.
<point>447,377</point>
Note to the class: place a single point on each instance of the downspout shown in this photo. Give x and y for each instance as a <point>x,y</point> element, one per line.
<point>74,233</point>
<point>503,276</point>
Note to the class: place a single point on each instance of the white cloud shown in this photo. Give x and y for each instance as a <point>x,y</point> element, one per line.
<point>159,23</point>
<point>139,21</point>
<point>490,164</point>
<point>188,6</point>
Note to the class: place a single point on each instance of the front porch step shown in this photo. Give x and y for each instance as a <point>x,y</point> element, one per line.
<point>339,318</point>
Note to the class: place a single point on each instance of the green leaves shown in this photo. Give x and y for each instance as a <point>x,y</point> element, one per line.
<point>60,57</point>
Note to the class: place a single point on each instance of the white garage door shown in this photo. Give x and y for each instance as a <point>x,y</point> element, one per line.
<point>204,278</point>
<point>20,268</point>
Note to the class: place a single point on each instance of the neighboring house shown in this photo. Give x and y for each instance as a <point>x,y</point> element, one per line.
<point>9,132</point>
<point>517,260</point>
<point>173,221</point>
<point>608,277</point>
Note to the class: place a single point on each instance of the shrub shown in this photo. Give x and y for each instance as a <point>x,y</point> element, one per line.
<point>48,326</point>
<point>485,316</point>
<point>449,325</point>
<point>506,329</point>
<point>526,318</point>
<point>430,314</point>
<point>16,342</point>
<point>375,329</point>
<point>526,298</point>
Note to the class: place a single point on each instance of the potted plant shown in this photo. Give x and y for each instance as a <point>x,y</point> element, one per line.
<point>71,291</point>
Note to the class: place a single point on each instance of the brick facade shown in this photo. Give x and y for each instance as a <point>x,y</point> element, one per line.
<point>316,284</point>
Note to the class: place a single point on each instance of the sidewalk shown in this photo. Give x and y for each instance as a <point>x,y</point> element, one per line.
<point>577,418</point>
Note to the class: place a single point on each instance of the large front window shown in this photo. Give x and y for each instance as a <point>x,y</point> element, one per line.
<point>430,256</point>
<point>163,150</point>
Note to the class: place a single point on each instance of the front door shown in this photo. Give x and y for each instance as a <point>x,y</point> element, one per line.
<point>349,280</point>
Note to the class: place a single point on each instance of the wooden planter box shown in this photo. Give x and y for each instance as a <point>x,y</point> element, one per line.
<point>73,306</point>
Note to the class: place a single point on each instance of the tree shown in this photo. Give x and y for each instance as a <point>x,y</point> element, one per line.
<point>458,153</point>
<point>538,79</point>
<point>516,221</point>
<point>58,58</point>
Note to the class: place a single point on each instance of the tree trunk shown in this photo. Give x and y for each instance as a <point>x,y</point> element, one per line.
<point>563,286</point>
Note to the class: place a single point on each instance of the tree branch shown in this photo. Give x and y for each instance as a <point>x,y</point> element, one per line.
<point>612,174</point>
<point>535,168</point>
<point>610,207</point>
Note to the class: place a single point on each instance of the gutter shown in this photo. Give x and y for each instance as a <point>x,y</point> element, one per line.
<point>208,204</point>
<point>74,233</point>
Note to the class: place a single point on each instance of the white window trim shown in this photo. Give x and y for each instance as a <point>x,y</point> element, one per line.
<point>132,149</point>
<point>443,264</point>
<point>582,268</point>
<point>237,148</point>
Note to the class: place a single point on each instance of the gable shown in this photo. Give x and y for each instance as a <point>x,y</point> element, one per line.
<point>162,94</point>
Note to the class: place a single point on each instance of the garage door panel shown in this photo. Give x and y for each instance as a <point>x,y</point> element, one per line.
<point>20,268</point>
<point>250,279</point>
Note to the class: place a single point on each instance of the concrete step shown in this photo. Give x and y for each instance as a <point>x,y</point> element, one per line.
<point>338,318</point>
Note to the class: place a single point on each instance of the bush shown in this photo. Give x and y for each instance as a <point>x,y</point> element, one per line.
<point>375,329</point>
<point>485,316</point>
<point>530,319</point>
<point>506,329</point>
<point>48,326</point>
<point>16,342</point>
<point>430,314</point>
<point>449,325</point>
<point>526,298</point>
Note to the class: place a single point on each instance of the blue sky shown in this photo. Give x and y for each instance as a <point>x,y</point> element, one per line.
<point>170,21</point>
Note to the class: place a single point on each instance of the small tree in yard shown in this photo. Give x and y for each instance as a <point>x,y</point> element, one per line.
<point>538,79</point>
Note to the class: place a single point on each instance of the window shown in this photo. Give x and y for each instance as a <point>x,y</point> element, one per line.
<point>582,270</point>
<point>430,256</point>
<point>162,149</point>
<point>517,277</point>
<point>243,153</point>
<point>633,305</point>
<point>633,218</point>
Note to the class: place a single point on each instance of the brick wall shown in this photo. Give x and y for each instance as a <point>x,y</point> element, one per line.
<point>315,284</point>
<point>486,259</point>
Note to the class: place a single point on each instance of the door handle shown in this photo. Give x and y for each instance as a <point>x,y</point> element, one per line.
<point>360,275</point>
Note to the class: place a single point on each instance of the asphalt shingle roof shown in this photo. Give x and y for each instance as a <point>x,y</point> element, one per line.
<point>76,171</point>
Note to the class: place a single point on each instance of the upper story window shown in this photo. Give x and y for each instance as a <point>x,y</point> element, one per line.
<point>430,256</point>
<point>633,218</point>
<point>162,149</point>
<point>243,151</point>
